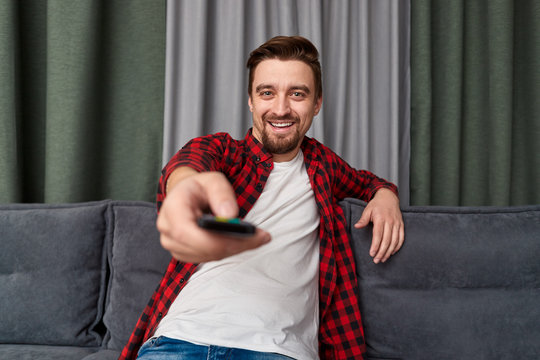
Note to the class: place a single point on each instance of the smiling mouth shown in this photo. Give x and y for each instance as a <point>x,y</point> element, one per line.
<point>281,125</point>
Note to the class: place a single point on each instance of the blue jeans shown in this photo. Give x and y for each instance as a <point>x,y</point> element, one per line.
<point>164,348</point>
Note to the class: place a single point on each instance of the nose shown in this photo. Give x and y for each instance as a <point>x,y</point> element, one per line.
<point>282,106</point>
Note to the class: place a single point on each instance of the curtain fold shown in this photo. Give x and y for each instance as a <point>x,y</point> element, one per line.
<point>475,114</point>
<point>9,112</point>
<point>82,99</point>
<point>364,48</point>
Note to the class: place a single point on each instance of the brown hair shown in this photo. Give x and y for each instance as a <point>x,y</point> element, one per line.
<point>287,48</point>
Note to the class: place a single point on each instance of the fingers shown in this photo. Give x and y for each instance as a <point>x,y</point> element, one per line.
<point>210,246</point>
<point>383,243</point>
<point>388,229</point>
<point>364,219</point>
<point>401,237</point>
<point>378,232</point>
<point>388,238</point>
<point>220,194</point>
<point>388,234</point>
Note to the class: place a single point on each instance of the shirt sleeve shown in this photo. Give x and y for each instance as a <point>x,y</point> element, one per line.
<point>202,154</point>
<point>350,182</point>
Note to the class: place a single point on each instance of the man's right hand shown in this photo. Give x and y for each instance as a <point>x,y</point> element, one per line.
<point>189,195</point>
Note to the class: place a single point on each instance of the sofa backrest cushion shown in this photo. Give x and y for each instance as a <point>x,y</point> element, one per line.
<point>137,262</point>
<point>50,256</point>
<point>465,285</point>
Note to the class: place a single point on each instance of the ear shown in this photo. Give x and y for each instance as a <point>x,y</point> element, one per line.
<point>318,105</point>
<point>250,104</point>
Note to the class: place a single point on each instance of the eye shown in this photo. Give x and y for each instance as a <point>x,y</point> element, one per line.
<point>265,93</point>
<point>298,94</point>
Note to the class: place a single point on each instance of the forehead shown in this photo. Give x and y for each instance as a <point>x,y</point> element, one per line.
<point>283,73</point>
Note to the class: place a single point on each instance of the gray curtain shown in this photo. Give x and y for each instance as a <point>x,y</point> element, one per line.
<point>364,46</point>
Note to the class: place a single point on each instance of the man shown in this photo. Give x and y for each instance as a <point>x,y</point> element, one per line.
<point>288,291</point>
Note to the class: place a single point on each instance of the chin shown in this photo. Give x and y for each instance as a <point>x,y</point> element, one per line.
<point>279,146</point>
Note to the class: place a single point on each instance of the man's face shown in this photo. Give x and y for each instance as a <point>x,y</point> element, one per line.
<point>283,104</point>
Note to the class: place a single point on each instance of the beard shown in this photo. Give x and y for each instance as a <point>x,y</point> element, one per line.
<point>280,144</point>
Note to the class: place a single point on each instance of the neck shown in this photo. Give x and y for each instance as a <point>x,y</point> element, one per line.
<point>285,157</point>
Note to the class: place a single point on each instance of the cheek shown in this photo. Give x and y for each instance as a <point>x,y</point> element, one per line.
<point>306,125</point>
<point>307,120</point>
<point>258,120</point>
<point>258,117</point>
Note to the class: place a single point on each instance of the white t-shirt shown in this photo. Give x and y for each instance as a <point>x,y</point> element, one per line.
<point>265,299</point>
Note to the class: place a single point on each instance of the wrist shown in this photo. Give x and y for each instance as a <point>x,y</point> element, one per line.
<point>385,192</point>
<point>177,176</point>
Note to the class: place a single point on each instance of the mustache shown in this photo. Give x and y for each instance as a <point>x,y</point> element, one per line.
<point>270,117</point>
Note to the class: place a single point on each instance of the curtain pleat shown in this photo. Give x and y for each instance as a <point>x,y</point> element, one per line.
<point>475,120</point>
<point>82,99</point>
<point>364,47</point>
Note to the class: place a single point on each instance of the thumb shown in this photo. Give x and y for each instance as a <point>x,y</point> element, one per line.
<point>364,219</point>
<point>221,196</point>
<point>225,208</point>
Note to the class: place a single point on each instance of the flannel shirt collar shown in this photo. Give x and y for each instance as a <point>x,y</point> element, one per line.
<point>256,149</point>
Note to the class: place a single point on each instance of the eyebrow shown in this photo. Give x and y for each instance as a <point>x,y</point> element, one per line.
<point>303,88</point>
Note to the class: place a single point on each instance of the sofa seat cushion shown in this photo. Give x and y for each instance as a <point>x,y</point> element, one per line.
<point>52,273</point>
<point>44,352</point>
<point>104,354</point>
<point>465,285</point>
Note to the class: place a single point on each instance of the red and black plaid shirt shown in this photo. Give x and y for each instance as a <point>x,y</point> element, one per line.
<point>247,165</point>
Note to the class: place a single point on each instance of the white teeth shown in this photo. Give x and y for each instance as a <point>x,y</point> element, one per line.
<point>281,124</point>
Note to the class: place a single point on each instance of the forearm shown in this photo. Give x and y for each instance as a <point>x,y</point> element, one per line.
<point>179,174</point>
<point>360,184</point>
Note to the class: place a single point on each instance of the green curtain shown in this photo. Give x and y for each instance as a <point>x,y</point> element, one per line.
<point>81,99</point>
<point>475,102</point>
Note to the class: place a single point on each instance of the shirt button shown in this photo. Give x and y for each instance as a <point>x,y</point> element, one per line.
<point>257,159</point>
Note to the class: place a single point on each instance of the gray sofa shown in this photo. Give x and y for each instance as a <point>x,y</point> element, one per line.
<point>466,285</point>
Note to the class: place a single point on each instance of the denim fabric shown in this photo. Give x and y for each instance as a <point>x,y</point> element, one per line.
<point>163,348</point>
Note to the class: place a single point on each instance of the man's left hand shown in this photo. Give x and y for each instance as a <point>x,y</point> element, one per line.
<point>388,229</point>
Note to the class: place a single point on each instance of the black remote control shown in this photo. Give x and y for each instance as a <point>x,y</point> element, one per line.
<point>227,226</point>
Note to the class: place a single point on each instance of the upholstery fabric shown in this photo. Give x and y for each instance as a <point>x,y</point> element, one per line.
<point>52,292</point>
<point>103,354</point>
<point>464,286</point>
<point>46,352</point>
<point>137,264</point>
